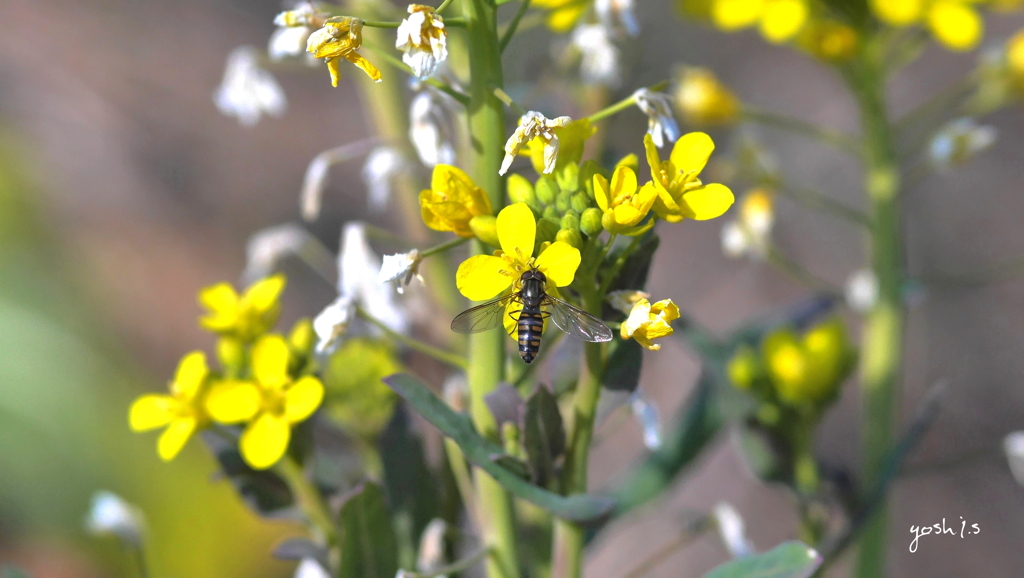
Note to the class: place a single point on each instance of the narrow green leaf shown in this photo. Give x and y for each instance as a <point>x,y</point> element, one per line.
<point>788,560</point>
<point>577,508</point>
<point>543,434</point>
<point>368,545</point>
<point>513,464</point>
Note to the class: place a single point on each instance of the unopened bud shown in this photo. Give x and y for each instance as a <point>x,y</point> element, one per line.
<point>485,227</point>
<point>571,221</point>
<point>547,229</point>
<point>231,354</point>
<point>743,367</point>
<point>563,202</point>
<point>302,337</point>
<point>590,222</point>
<point>571,236</point>
<point>580,202</point>
<point>520,190</point>
<point>546,190</point>
<point>568,178</point>
<point>631,161</point>
<point>587,172</point>
<point>551,212</point>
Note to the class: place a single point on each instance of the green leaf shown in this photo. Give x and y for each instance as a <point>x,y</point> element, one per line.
<point>577,508</point>
<point>411,486</point>
<point>368,545</point>
<point>513,464</point>
<point>262,490</point>
<point>788,560</point>
<point>543,434</point>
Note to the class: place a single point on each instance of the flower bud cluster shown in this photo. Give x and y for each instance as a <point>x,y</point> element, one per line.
<point>563,202</point>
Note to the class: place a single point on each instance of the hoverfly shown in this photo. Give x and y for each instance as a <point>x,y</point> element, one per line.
<point>537,306</point>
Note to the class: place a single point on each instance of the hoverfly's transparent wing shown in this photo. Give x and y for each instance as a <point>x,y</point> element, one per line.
<point>482,317</point>
<point>579,324</point>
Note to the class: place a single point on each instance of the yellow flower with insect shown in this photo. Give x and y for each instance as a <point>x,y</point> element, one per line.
<point>181,412</point>
<point>624,204</point>
<point>270,404</point>
<point>778,20</point>
<point>562,14</point>
<point>340,37</point>
<point>681,194</point>
<point>956,24</point>
<point>703,100</point>
<point>452,201</point>
<point>244,317</point>
<point>482,277</point>
<point>647,322</point>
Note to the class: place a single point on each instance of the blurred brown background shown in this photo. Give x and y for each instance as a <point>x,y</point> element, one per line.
<point>136,192</point>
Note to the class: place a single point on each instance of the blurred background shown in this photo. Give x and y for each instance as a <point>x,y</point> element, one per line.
<point>123,191</point>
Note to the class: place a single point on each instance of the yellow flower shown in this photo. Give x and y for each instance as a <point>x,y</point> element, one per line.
<point>957,24</point>
<point>808,369</point>
<point>270,404</point>
<point>482,277</point>
<point>181,412</point>
<point>751,232</point>
<point>452,201</point>
<point>1015,56</point>
<point>244,317</point>
<point>340,37</point>
<point>623,204</point>
<point>829,40</point>
<point>647,322</point>
<point>562,14</point>
<point>703,100</point>
<point>778,20</point>
<point>681,195</point>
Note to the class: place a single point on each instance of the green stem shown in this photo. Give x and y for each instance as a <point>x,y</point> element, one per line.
<point>816,200</point>
<point>442,247</point>
<point>443,6</point>
<point>831,137</point>
<point>487,349</point>
<point>311,502</point>
<point>437,353</point>
<point>510,31</point>
<point>617,267</point>
<point>505,98</point>
<point>624,103</point>
<point>882,339</point>
<point>569,537</point>
<point>391,59</point>
<point>798,272</point>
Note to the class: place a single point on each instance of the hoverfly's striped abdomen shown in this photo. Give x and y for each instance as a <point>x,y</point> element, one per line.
<point>531,325</point>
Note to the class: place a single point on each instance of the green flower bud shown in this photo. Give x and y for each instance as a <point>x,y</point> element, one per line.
<point>547,229</point>
<point>744,367</point>
<point>571,236</point>
<point>520,190</point>
<point>551,212</point>
<point>590,222</point>
<point>485,227</point>
<point>302,337</point>
<point>568,178</point>
<point>631,161</point>
<point>563,202</point>
<point>571,221</point>
<point>581,202</point>
<point>587,172</point>
<point>511,436</point>
<point>546,190</point>
<point>231,354</point>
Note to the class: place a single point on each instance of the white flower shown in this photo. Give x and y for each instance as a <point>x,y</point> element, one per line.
<point>611,12</point>
<point>732,531</point>
<point>289,42</point>
<point>658,109</point>
<point>430,129</point>
<point>750,234</point>
<point>1013,445</point>
<point>534,125</point>
<point>400,269</point>
<point>247,91</point>
<point>110,514</point>
<point>268,247</point>
<point>333,322</point>
<point>431,553</point>
<point>600,62</point>
<point>316,174</point>
<point>310,568</point>
<point>861,290</point>
<point>959,141</point>
<point>381,165</point>
<point>647,414</point>
<point>625,299</point>
<point>423,40</point>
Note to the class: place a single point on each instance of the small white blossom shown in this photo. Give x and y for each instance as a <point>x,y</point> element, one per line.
<point>613,12</point>
<point>110,514</point>
<point>310,568</point>
<point>534,125</point>
<point>331,323</point>
<point>750,234</point>
<point>647,414</point>
<point>248,91</point>
<point>423,40</point>
<point>400,269</point>
<point>600,57</point>
<point>1013,445</point>
<point>315,181</point>
<point>732,530</point>
<point>660,121</point>
<point>625,299</point>
<point>861,290</point>
<point>382,164</point>
<point>960,141</point>
<point>430,129</point>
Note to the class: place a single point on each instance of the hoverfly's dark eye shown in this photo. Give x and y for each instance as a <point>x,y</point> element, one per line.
<point>540,277</point>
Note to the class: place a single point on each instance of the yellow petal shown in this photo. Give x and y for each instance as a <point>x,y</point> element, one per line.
<point>232,402</point>
<point>302,399</point>
<point>559,263</point>
<point>898,12</point>
<point>192,370</point>
<point>222,301</point>
<point>602,194</point>
<point>782,19</point>
<point>691,152</point>
<point>666,207</point>
<point>270,361</point>
<point>623,181</point>
<point>263,294</point>
<point>666,309</point>
<point>563,19</point>
<point>450,180</point>
<point>265,440</point>
<point>175,437</point>
<point>955,24</point>
<point>653,159</point>
<point>152,411</point>
<point>334,66</point>
<point>627,215</point>
<point>735,14</point>
<point>517,231</point>
<point>480,277</point>
<point>707,202</point>
<point>364,65</point>
<point>639,316</point>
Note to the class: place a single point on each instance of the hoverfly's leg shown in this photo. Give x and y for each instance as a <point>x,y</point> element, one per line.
<point>516,327</point>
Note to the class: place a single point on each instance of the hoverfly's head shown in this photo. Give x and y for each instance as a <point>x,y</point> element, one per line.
<point>535,274</point>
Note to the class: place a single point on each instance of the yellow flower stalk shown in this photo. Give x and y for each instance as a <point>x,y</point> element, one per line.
<point>181,412</point>
<point>704,101</point>
<point>778,20</point>
<point>681,194</point>
<point>562,14</point>
<point>244,317</point>
<point>956,24</point>
<point>624,204</point>
<point>647,322</point>
<point>482,277</point>
<point>339,38</point>
<point>452,201</point>
<point>270,404</point>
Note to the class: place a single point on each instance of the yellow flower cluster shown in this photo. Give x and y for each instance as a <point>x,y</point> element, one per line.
<point>266,384</point>
<point>957,24</point>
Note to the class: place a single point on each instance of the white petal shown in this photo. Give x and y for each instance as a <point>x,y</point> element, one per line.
<point>735,242</point>
<point>316,175</point>
<point>432,543</point>
<point>358,271</point>
<point>110,514</point>
<point>732,531</point>
<point>624,299</point>
<point>861,290</point>
<point>247,91</point>
<point>268,247</point>
<point>381,165</point>
<point>398,267</point>
<point>288,42</point>
<point>332,322</point>
<point>1013,445</point>
<point>647,414</point>
<point>430,128</point>
<point>310,568</point>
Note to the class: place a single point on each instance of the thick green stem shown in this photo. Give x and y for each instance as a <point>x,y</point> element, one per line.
<point>487,349</point>
<point>569,537</point>
<point>882,339</point>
